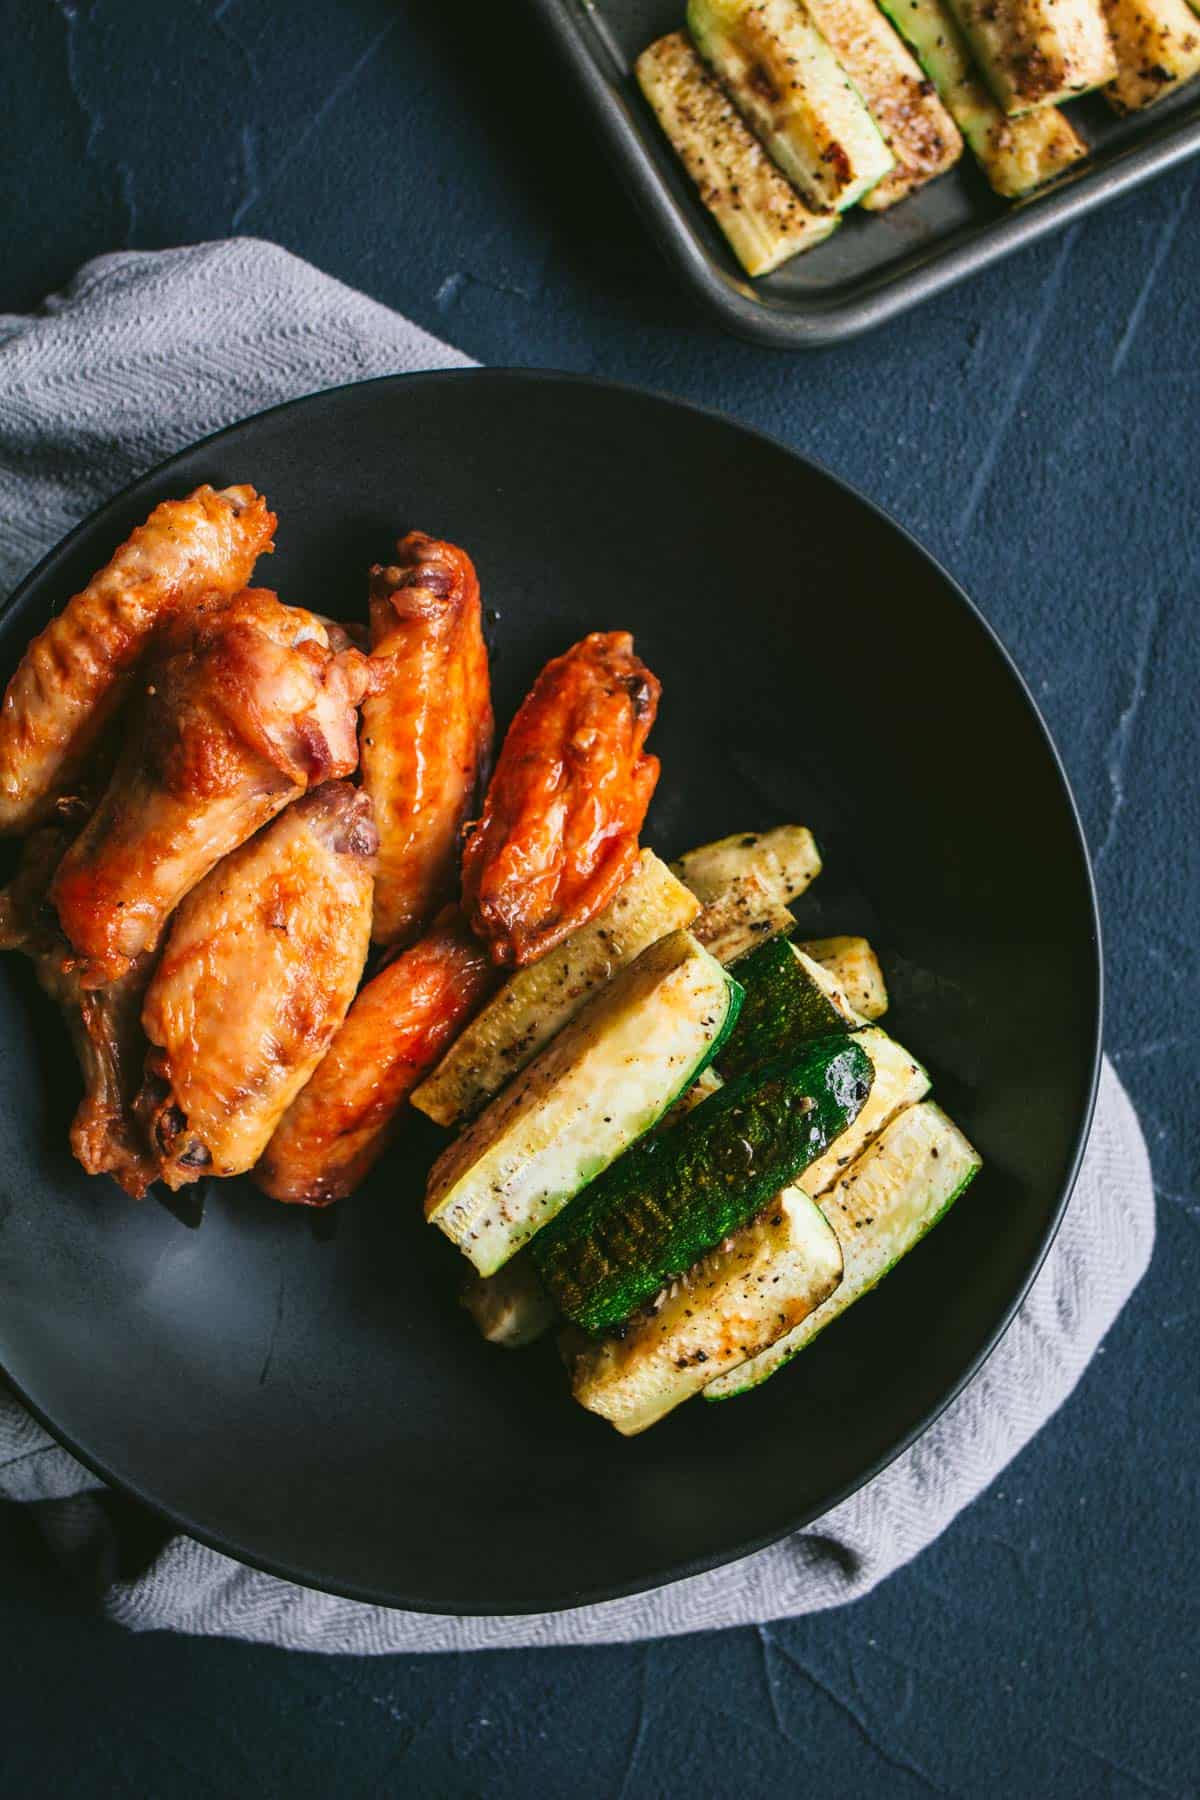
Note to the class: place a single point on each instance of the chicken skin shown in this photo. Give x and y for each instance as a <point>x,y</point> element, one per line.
<point>245,708</point>
<point>398,1027</point>
<point>75,674</point>
<point>427,733</point>
<point>561,819</point>
<point>260,965</point>
<point>105,1023</point>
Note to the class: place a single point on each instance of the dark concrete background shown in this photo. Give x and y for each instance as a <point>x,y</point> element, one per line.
<point>1038,430</point>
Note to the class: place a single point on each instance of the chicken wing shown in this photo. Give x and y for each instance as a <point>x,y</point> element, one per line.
<point>257,973</point>
<point>104,1023</point>
<point>75,673</point>
<point>560,823</point>
<point>246,707</point>
<point>427,733</point>
<point>403,1019</point>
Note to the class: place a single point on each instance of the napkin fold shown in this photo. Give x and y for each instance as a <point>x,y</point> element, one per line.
<point>143,354</point>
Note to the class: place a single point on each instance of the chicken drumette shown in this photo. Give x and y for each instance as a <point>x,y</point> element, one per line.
<point>427,732</point>
<point>561,820</point>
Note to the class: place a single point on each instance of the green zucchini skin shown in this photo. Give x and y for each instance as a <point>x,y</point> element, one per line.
<point>670,1199</point>
<point>787,1001</point>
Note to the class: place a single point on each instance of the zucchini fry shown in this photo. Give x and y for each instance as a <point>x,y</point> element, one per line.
<point>761,214</point>
<point>605,1080</point>
<point>758,1285</point>
<point>1157,43</point>
<point>916,127</point>
<point>855,968</point>
<point>785,81</point>
<point>538,1000</point>
<point>896,1191</point>
<point>787,858</point>
<point>746,914</point>
<point>651,1216</point>
<point>1016,155</point>
<point>511,1307</point>
<point>1035,53</point>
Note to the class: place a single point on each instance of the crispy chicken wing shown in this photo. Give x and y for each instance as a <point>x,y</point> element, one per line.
<point>246,707</point>
<point>75,673</point>
<point>105,1023</point>
<point>257,973</point>
<point>427,733</point>
<point>403,1019</point>
<point>560,823</point>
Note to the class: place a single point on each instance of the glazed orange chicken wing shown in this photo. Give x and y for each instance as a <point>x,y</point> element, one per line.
<point>561,820</point>
<point>427,733</point>
<point>246,707</point>
<point>105,1023</point>
<point>259,968</point>
<point>75,673</point>
<point>396,1030</point>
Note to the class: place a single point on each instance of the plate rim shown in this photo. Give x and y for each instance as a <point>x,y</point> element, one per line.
<point>596,1594</point>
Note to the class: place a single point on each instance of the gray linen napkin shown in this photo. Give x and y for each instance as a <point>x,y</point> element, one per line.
<point>142,355</point>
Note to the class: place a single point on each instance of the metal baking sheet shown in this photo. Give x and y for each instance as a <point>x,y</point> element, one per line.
<point>875,266</point>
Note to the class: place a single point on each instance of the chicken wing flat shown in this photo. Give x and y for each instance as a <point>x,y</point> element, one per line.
<point>427,733</point>
<point>76,672</point>
<point>398,1027</point>
<point>104,1023</point>
<point>260,965</point>
<point>560,824</point>
<point>246,707</point>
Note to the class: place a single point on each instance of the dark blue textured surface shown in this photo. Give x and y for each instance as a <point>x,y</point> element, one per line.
<point>1038,429</point>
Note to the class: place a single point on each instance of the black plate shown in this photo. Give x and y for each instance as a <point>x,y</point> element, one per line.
<point>875,266</point>
<point>302,1391</point>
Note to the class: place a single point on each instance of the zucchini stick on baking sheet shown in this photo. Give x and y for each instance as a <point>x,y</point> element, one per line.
<point>757,208</point>
<point>1035,53</point>
<point>1016,155</point>
<point>786,82</point>
<point>916,127</point>
<point>1157,45</point>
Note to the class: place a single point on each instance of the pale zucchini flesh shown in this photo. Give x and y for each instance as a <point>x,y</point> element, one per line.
<point>1035,53</point>
<point>917,129</point>
<point>604,1081</point>
<point>1016,155</point>
<point>885,1203</point>
<point>744,915</point>
<point>511,1307</point>
<point>733,1304</point>
<point>1157,46</point>
<point>536,1002</point>
<point>801,105</point>
<point>855,968</point>
<point>899,1081</point>
<point>786,859</point>
<point>762,216</point>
